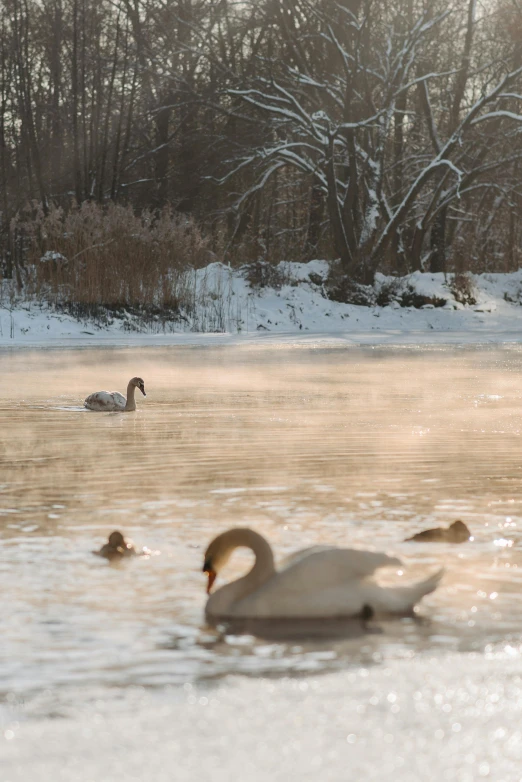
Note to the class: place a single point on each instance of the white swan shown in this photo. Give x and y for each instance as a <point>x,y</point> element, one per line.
<point>319,582</point>
<point>107,401</point>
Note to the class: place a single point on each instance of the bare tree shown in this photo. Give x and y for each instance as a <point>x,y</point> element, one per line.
<point>345,127</point>
<point>386,135</point>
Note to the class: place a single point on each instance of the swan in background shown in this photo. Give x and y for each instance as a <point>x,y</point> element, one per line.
<point>108,401</point>
<point>116,548</point>
<point>319,582</point>
<point>457,532</point>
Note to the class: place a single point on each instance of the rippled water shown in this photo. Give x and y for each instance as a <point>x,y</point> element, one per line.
<point>308,445</point>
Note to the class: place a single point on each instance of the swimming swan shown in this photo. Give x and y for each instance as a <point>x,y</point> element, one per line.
<point>318,582</point>
<point>109,401</point>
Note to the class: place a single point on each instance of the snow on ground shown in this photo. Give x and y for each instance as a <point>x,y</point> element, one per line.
<point>229,306</point>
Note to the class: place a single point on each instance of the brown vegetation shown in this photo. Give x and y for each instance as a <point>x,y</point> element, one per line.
<point>93,255</point>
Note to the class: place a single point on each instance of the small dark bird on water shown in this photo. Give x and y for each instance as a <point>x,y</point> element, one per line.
<point>457,532</point>
<point>116,548</point>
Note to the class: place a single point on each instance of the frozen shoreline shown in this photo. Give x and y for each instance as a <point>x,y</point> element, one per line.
<point>229,312</point>
<point>390,338</point>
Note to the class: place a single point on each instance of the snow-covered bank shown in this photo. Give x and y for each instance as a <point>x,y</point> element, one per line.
<point>227,308</point>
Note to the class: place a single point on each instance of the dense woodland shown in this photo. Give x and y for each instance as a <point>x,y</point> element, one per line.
<point>175,132</point>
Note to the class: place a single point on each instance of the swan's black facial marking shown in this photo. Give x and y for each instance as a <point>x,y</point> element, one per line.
<point>141,386</point>
<point>367,613</point>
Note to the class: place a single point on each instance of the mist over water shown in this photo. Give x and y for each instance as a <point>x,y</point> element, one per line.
<point>307,445</point>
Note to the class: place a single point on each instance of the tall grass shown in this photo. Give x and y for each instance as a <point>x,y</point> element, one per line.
<point>93,256</point>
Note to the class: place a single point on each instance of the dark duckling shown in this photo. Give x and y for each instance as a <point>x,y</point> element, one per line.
<point>117,548</point>
<point>455,533</point>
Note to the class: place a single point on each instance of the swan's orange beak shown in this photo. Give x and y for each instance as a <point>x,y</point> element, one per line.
<point>211,574</point>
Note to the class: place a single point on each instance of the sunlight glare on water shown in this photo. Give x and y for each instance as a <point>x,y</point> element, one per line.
<point>308,445</point>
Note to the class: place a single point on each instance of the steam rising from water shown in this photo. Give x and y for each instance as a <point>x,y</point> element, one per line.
<point>348,447</point>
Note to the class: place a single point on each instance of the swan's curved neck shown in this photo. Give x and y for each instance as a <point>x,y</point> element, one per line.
<point>223,599</point>
<point>131,403</point>
<point>264,565</point>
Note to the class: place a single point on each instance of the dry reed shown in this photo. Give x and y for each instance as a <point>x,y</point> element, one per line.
<point>112,257</point>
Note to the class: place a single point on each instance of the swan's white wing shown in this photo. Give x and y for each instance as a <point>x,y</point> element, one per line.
<point>346,599</point>
<point>320,581</point>
<point>105,400</point>
<point>332,565</point>
<point>295,556</point>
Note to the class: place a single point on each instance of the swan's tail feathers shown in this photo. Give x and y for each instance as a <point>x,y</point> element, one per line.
<point>431,583</point>
<point>402,600</point>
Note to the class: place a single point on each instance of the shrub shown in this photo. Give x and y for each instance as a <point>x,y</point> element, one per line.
<point>411,298</point>
<point>463,288</point>
<point>389,292</point>
<point>92,255</point>
<point>316,279</point>
<point>261,274</point>
<point>513,298</point>
<point>340,287</point>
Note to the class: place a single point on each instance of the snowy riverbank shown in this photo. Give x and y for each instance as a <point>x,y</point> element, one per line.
<point>227,308</point>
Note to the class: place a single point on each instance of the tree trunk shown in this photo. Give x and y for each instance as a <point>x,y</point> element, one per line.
<point>161,157</point>
<point>315,216</point>
<point>340,240</point>
<point>78,190</point>
<point>415,253</point>
<point>438,243</point>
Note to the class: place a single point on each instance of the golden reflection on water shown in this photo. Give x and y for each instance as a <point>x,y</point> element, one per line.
<point>308,445</point>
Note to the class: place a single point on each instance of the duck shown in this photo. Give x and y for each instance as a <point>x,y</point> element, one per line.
<point>322,582</point>
<point>116,548</point>
<point>110,401</point>
<point>457,532</point>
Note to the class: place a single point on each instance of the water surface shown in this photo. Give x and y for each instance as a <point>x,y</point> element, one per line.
<point>308,445</point>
